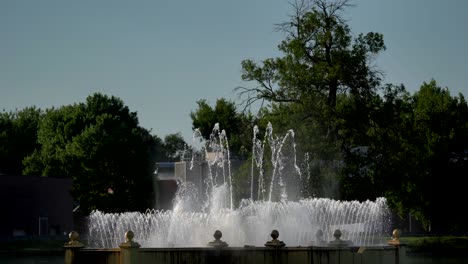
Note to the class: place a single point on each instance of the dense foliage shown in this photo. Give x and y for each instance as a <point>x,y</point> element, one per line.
<point>322,64</point>
<point>18,138</point>
<point>239,126</point>
<point>98,143</point>
<point>357,139</point>
<point>361,140</point>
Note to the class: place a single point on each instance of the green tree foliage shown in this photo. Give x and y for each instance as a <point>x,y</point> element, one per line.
<point>377,141</point>
<point>410,149</point>
<point>101,146</point>
<point>441,140</point>
<point>205,117</point>
<point>18,134</point>
<point>175,148</point>
<point>239,130</point>
<point>238,126</point>
<point>322,63</point>
<point>321,60</point>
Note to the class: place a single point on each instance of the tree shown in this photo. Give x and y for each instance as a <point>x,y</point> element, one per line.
<point>321,64</point>
<point>440,129</point>
<point>238,126</point>
<point>18,135</point>
<point>100,145</point>
<point>321,60</point>
<point>175,148</point>
<point>412,150</point>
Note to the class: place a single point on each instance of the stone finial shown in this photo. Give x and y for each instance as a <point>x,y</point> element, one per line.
<point>337,234</point>
<point>319,237</point>
<point>395,237</point>
<point>129,243</point>
<point>319,234</point>
<point>73,236</point>
<point>129,235</point>
<point>275,243</point>
<point>338,241</point>
<point>218,243</point>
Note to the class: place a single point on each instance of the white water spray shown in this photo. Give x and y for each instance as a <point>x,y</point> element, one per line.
<point>191,223</point>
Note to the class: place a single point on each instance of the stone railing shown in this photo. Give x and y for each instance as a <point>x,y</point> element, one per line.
<point>218,251</point>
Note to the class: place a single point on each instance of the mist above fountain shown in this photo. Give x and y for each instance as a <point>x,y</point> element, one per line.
<point>274,203</point>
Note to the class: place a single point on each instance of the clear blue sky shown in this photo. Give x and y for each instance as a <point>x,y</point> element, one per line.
<point>161,56</point>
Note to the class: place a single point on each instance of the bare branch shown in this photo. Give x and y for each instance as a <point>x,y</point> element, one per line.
<point>300,7</point>
<point>247,94</point>
<point>262,92</point>
<point>331,8</point>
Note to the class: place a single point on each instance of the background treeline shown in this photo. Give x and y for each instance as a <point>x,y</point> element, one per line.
<point>98,143</point>
<point>410,148</point>
<point>356,137</point>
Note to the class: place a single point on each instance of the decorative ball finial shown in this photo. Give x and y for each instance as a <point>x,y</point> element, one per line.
<point>217,243</point>
<point>73,243</point>
<point>274,234</point>
<point>338,242</point>
<point>129,243</point>
<point>275,243</point>
<point>73,236</point>
<point>395,241</point>
<point>129,236</point>
<point>217,235</point>
<point>337,234</point>
<point>318,238</point>
<point>319,233</point>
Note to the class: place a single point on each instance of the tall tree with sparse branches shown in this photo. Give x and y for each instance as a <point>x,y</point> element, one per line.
<point>321,60</point>
<point>322,65</point>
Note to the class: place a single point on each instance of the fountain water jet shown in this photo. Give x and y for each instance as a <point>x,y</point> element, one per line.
<point>190,224</point>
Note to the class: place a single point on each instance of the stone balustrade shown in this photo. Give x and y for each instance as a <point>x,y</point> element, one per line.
<point>275,251</point>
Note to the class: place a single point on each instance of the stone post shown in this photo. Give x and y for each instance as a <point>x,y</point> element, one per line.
<point>129,249</point>
<point>275,243</point>
<point>217,243</point>
<point>401,248</point>
<point>338,242</point>
<point>71,247</point>
<point>395,241</point>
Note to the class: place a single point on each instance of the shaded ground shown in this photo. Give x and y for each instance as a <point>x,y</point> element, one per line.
<point>437,246</point>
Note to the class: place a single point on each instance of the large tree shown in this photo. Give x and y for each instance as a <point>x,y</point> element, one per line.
<point>411,149</point>
<point>238,126</point>
<point>440,129</point>
<point>322,63</point>
<point>101,146</point>
<point>18,138</point>
<point>175,148</point>
<point>321,60</point>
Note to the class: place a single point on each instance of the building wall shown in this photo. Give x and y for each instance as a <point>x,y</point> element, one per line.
<point>35,206</point>
<point>166,192</point>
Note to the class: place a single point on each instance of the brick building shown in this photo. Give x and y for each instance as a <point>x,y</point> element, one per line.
<point>35,206</point>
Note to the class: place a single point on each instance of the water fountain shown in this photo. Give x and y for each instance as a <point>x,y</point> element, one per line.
<point>269,207</point>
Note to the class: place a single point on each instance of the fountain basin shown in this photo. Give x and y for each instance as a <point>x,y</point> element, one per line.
<point>130,252</point>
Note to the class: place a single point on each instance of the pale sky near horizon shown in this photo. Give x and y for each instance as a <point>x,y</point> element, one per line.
<point>161,56</point>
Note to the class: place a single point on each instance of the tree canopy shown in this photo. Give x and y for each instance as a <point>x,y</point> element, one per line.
<point>321,60</point>
<point>238,126</point>
<point>322,64</point>
<point>357,139</point>
<point>361,140</point>
<point>100,145</point>
<point>18,138</point>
